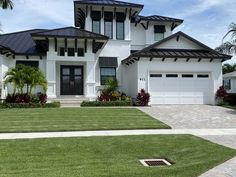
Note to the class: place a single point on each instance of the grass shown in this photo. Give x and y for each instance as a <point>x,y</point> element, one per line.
<point>77,119</point>
<point>230,107</point>
<point>110,156</point>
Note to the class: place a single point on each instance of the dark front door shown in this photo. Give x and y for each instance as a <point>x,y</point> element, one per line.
<point>71,80</point>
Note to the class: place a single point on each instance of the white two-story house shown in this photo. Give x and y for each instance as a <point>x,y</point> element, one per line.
<point>111,39</point>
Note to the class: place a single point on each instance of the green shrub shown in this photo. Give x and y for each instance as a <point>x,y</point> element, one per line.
<point>29,105</point>
<point>106,103</point>
<point>230,99</point>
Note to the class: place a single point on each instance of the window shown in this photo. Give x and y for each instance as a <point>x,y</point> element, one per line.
<point>227,84</point>
<point>28,63</point>
<point>80,52</point>
<point>158,36</point>
<point>202,75</point>
<point>96,26</point>
<point>108,29</point>
<point>155,75</point>
<point>107,73</point>
<point>71,52</point>
<point>187,75</point>
<point>172,75</point>
<point>62,51</point>
<point>159,31</point>
<point>120,30</point>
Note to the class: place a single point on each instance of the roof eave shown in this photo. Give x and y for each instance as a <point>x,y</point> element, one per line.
<point>121,5</point>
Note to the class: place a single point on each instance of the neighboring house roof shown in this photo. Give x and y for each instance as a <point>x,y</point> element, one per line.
<point>19,42</point>
<point>160,18</point>
<point>154,52</point>
<point>230,75</point>
<point>70,32</point>
<point>109,3</point>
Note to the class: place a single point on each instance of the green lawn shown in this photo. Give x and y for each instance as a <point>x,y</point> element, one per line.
<point>28,120</point>
<point>110,156</point>
<point>230,107</point>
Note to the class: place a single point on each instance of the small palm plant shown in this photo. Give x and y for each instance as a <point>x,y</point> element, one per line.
<point>111,85</point>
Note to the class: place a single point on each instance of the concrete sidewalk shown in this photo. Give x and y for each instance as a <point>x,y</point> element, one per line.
<point>196,132</point>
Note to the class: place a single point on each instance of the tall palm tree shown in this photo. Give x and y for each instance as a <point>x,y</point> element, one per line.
<point>229,47</point>
<point>6,4</point>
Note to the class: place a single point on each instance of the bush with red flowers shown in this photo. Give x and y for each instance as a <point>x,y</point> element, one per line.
<point>143,98</point>
<point>25,98</point>
<point>221,93</point>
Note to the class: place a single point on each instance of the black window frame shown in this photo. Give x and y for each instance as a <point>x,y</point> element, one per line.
<point>71,52</point>
<point>107,76</point>
<point>62,53</point>
<point>27,63</point>
<point>123,37</point>
<point>156,75</point>
<point>203,76</point>
<point>111,37</point>
<point>80,52</point>
<point>99,26</point>
<point>172,75</point>
<point>187,76</point>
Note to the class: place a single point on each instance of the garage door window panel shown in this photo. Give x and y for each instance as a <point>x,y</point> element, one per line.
<point>171,75</point>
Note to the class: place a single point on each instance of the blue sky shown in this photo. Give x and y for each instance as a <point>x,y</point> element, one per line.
<point>205,20</point>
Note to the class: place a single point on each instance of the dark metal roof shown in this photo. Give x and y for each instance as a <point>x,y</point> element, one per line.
<point>179,53</point>
<point>70,32</point>
<point>160,18</point>
<point>153,51</point>
<point>20,42</point>
<point>109,3</point>
<point>108,62</point>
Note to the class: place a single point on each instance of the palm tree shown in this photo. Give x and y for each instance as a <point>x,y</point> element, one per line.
<point>22,76</point>
<point>228,68</point>
<point>15,77</point>
<point>6,4</point>
<point>229,47</point>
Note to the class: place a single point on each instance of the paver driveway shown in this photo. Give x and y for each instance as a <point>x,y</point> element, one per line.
<point>193,116</point>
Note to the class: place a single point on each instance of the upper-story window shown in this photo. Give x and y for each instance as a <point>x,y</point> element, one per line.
<point>120,26</point>
<point>159,31</point>
<point>108,24</point>
<point>96,21</point>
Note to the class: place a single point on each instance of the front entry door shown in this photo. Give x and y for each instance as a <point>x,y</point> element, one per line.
<point>71,80</point>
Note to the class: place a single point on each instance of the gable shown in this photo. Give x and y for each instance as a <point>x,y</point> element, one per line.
<point>179,42</point>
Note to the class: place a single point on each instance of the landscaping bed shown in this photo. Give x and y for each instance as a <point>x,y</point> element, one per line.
<point>75,119</point>
<point>110,156</point>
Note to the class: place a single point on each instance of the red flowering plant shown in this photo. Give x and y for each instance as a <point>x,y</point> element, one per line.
<point>143,98</point>
<point>221,96</point>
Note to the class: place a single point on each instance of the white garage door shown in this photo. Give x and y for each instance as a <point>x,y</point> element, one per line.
<point>180,88</point>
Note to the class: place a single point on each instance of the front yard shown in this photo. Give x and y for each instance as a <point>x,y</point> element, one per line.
<point>110,156</point>
<point>37,120</point>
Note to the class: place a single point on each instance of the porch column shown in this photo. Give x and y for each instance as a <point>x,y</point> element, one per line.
<point>90,80</point>
<point>51,78</point>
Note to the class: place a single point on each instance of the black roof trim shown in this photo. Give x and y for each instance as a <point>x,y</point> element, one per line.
<point>109,3</point>
<point>160,18</point>
<point>150,50</point>
<point>70,32</point>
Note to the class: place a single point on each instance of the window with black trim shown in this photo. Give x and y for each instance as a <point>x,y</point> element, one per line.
<point>187,75</point>
<point>71,52</point>
<point>155,75</point>
<point>62,51</point>
<point>171,75</point>
<point>96,26</point>
<point>108,29</point>
<point>28,63</point>
<point>227,84</point>
<point>80,52</point>
<point>107,73</point>
<point>159,32</point>
<point>120,30</point>
<point>202,75</point>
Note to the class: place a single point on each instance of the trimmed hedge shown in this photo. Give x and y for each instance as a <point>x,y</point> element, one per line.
<point>105,103</point>
<point>29,105</point>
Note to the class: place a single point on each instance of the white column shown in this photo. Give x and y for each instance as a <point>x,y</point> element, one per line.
<point>102,26</point>
<point>90,80</point>
<point>114,29</point>
<point>127,28</point>
<point>51,78</point>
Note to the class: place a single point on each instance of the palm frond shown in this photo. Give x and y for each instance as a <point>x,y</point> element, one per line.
<point>6,4</point>
<point>227,48</point>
